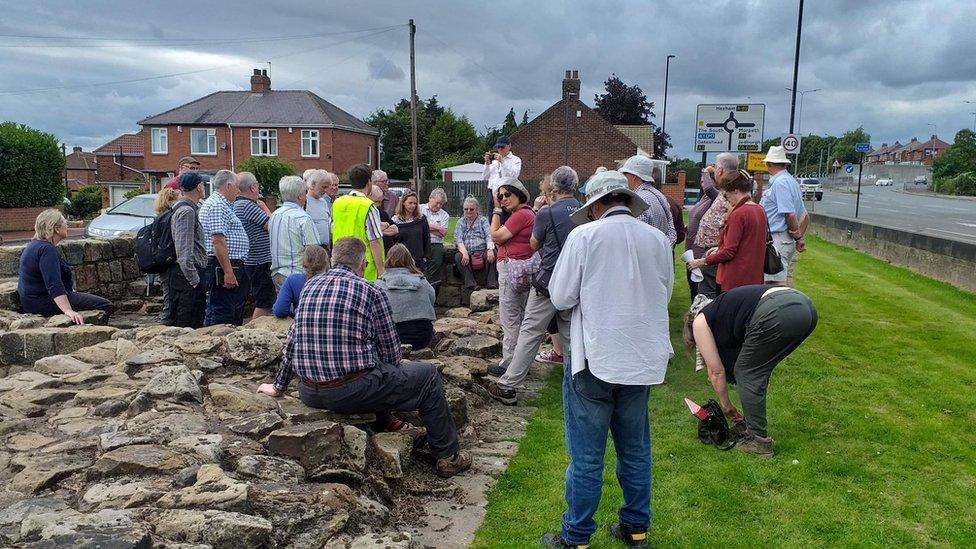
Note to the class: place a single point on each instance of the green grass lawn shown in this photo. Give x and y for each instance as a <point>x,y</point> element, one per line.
<point>876,407</point>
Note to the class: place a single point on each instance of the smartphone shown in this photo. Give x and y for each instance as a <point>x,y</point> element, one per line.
<point>219,274</point>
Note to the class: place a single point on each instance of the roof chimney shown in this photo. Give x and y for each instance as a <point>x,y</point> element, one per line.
<point>571,84</point>
<point>934,137</point>
<point>76,149</point>
<point>260,82</point>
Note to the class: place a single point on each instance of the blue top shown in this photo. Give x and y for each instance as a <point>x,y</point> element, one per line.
<point>552,228</point>
<point>254,220</point>
<point>287,300</point>
<point>782,197</point>
<point>44,275</point>
<point>217,217</point>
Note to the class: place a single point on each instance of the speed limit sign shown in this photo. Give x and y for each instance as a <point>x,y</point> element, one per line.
<point>791,143</point>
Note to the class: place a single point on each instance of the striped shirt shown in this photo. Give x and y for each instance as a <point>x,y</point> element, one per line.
<point>440,218</point>
<point>658,212</point>
<point>254,220</point>
<point>343,324</point>
<point>290,230</point>
<point>217,217</point>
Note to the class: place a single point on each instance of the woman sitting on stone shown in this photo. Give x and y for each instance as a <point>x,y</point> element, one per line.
<point>476,249</point>
<point>411,297</point>
<point>46,285</point>
<point>414,232</point>
<point>315,261</point>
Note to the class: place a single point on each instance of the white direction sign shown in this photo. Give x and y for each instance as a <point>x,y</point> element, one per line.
<point>729,127</point>
<point>791,143</point>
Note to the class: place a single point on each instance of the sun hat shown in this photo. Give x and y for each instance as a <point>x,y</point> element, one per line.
<point>639,165</point>
<point>517,185</point>
<point>602,184</point>
<point>776,155</point>
<point>582,189</point>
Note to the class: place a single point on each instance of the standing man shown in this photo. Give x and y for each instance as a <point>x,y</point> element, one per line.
<point>257,265</point>
<point>355,214</point>
<point>627,348</point>
<point>290,230</point>
<point>438,219</point>
<point>187,164</point>
<point>786,214</point>
<point>677,210</point>
<point>502,164</point>
<point>639,172</point>
<point>187,292</point>
<point>227,248</point>
<point>318,203</point>
<point>390,198</point>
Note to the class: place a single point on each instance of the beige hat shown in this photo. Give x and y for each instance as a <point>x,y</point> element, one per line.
<point>602,184</point>
<point>639,165</point>
<point>777,155</point>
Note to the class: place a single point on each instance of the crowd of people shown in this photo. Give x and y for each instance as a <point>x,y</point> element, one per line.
<point>360,272</point>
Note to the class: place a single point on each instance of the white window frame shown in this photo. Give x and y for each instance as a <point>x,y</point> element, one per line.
<point>162,133</point>
<point>369,155</point>
<point>265,139</point>
<point>312,138</point>
<point>211,141</point>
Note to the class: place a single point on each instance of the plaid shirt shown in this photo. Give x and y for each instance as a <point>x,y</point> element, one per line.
<point>474,235</point>
<point>658,212</point>
<point>217,217</point>
<point>343,324</point>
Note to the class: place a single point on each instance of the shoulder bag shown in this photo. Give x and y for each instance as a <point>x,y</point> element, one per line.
<point>773,262</point>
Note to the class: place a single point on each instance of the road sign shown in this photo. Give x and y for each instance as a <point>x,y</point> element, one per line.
<point>849,168</point>
<point>791,143</point>
<point>836,163</point>
<point>729,127</point>
<point>862,147</point>
<point>754,162</point>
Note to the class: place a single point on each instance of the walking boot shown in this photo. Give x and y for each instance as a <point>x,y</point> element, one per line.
<point>555,541</point>
<point>508,397</point>
<point>754,444</point>
<point>633,536</point>
<point>450,466</point>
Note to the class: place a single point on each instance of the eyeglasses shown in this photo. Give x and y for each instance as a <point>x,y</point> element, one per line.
<point>470,209</point>
<point>503,196</point>
<point>192,168</point>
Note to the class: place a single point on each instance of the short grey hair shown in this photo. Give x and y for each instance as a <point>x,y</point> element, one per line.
<point>291,187</point>
<point>564,180</point>
<point>222,178</point>
<point>378,174</point>
<point>306,172</point>
<point>246,181</point>
<point>438,193</point>
<point>472,200</point>
<point>728,161</point>
<point>349,251</point>
<point>312,177</point>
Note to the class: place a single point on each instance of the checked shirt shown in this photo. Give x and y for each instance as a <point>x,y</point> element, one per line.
<point>343,324</point>
<point>658,212</point>
<point>217,217</point>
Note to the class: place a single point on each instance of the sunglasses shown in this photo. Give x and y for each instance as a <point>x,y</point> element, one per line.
<point>503,196</point>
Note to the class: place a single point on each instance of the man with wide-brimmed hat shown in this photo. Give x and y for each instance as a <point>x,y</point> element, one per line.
<point>619,347</point>
<point>639,171</point>
<point>501,164</point>
<point>787,216</point>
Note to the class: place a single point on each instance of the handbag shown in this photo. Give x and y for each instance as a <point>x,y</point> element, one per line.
<point>540,281</point>
<point>522,271</point>
<point>773,262</point>
<point>714,429</point>
<point>477,261</point>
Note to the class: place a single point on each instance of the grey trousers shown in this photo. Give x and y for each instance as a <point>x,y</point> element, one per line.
<point>708,286</point>
<point>511,310</point>
<point>538,314</point>
<point>782,320</point>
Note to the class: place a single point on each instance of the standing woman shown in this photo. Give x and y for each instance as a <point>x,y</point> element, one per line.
<point>164,201</point>
<point>517,261</point>
<point>45,284</point>
<point>414,232</point>
<point>742,335</point>
<point>741,250</point>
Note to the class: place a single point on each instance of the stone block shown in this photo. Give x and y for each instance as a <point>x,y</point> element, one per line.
<point>256,426</point>
<point>482,300</point>
<point>239,401</point>
<point>115,270</point>
<point>9,298</point>
<point>123,247</point>
<point>140,459</point>
<point>253,349</point>
<point>10,259</point>
<point>271,469</point>
<point>96,250</point>
<point>390,450</point>
<point>218,529</point>
<point>130,268</point>
<point>27,346</point>
<point>73,251</point>
<point>104,271</point>
<point>312,444</point>
<point>86,277</point>
<point>449,296</point>
<point>69,340</point>
<point>477,345</point>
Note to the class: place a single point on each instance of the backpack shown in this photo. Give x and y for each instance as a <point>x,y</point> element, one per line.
<point>714,429</point>
<point>155,249</point>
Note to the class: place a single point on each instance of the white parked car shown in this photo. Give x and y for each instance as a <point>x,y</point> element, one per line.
<point>883,183</point>
<point>126,218</point>
<point>811,188</point>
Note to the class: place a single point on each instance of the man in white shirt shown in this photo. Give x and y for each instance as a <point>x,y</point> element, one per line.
<point>501,164</point>
<point>318,204</point>
<point>619,347</point>
<point>438,219</point>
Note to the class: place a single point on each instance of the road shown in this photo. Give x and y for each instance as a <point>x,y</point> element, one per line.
<point>954,219</point>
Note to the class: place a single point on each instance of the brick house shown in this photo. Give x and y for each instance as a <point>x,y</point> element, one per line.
<point>924,151</point>
<point>80,169</point>
<point>120,167</point>
<point>223,129</point>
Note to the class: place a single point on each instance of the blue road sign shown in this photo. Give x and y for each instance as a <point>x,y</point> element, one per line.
<point>849,168</point>
<point>862,147</point>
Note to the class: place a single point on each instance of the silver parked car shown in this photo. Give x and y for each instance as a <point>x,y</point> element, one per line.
<point>125,219</point>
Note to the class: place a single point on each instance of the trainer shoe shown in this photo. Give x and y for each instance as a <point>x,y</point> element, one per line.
<point>450,466</point>
<point>754,444</point>
<point>497,370</point>
<point>631,535</point>
<point>550,357</point>
<point>508,397</point>
<point>555,541</point>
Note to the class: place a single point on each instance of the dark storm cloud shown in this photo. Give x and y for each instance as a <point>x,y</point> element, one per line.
<point>892,66</point>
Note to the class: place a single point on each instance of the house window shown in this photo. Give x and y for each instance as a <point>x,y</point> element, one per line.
<point>264,142</point>
<point>369,155</point>
<point>160,141</point>
<point>203,141</point>
<point>310,143</point>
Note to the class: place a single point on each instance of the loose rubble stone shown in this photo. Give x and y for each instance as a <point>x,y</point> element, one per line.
<point>27,381</point>
<point>253,349</point>
<point>398,540</point>
<point>356,440</point>
<point>457,401</point>
<point>152,357</point>
<point>312,444</point>
<point>390,450</point>
<point>477,345</point>
<point>256,426</point>
<point>206,448</point>
<point>174,383</point>
<point>458,312</point>
<point>140,459</point>
<point>61,364</point>
<point>198,345</point>
<point>15,514</point>
<point>271,323</point>
<point>456,373</point>
<point>213,490</point>
<point>482,300</point>
<point>219,529</point>
<point>26,441</point>
<point>122,493</point>
<point>110,408</point>
<point>110,441</point>
<point>474,365</point>
<point>101,394</point>
<point>236,400</point>
<point>107,352</point>
<point>68,527</point>
<point>96,317</point>
<point>163,427</point>
<point>271,469</point>
<point>295,411</point>
<point>40,472</point>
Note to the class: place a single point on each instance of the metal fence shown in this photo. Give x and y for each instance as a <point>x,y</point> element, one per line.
<point>457,191</point>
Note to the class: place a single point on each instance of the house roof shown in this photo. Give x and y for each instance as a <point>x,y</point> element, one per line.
<point>272,108</point>
<point>641,135</point>
<point>80,160</point>
<point>130,143</point>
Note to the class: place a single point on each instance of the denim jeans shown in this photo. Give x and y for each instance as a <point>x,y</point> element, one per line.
<point>592,408</point>
<point>225,305</point>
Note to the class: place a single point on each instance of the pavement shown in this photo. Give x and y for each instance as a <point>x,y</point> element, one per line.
<point>20,237</point>
<point>953,219</point>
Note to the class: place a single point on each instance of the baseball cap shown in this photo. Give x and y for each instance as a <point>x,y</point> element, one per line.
<point>190,181</point>
<point>502,141</point>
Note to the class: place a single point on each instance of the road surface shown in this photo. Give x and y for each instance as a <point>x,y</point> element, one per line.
<point>954,219</point>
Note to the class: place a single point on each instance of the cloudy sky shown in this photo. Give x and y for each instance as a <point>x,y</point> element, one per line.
<point>87,71</point>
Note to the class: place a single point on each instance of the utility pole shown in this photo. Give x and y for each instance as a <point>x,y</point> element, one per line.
<point>664,116</point>
<point>64,153</point>
<point>413,106</point>
<point>796,64</point>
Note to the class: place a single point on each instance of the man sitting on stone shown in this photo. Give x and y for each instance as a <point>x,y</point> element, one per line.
<point>344,349</point>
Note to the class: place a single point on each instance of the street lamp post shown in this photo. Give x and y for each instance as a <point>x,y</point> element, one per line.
<point>664,115</point>
<point>974,121</point>
<point>799,122</point>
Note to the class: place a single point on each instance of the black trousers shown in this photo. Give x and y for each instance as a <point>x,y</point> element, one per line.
<point>388,388</point>
<point>486,278</point>
<point>417,333</point>
<point>225,305</point>
<point>80,301</point>
<point>186,303</point>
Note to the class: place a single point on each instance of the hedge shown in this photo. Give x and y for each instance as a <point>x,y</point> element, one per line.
<point>85,202</point>
<point>31,168</point>
<point>268,171</point>
<point>963,184</point>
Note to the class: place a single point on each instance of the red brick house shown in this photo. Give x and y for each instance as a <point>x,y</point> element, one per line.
<point>120,167</point>
<point>223,129</point>
<point>80,169</point>
<point>924,151</point>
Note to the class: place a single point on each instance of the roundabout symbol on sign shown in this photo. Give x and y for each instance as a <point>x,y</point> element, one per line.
<point>791,143</point>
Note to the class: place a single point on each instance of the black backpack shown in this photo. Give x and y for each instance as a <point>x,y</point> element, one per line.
<point>714,429</point>
<point>155,249</point>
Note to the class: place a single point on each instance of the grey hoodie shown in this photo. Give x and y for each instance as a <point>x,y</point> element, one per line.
<point>411,296</point>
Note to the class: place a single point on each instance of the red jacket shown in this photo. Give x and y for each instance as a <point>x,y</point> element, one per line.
<point>741,247</point>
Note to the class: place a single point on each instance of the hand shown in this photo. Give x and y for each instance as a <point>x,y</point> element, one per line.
<point>733,414</point>
<point>696,264</point>
<point>75,317</point>
<point>230,279</point>
<point>498,201</point>
<point>268,389</point>
<point>711,251</point>
<point>465,259</point>
<point>491,255</point>
<point>540,201</point>
<point>801,245</point>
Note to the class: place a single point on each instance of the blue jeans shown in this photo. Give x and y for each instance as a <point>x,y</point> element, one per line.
<point>225,305</point>
<point>593,407</point>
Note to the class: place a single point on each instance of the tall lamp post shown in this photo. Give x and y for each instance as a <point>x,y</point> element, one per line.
<point>935,133</point>
<point>664,115</point>
<point>796,62</point>
<point>974,121</point>
<point>799,121</point>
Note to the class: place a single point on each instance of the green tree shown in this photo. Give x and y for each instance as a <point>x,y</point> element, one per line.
<point>623,104</point>
<point>959,158</point>
<point>395,128</point>
<point>510,124</point>
<point>525,118</point>
<point>31,168</point>
<point>451,136</point>
<point>86,202</point>
<point>843,148</point>
<point>268,170</point>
